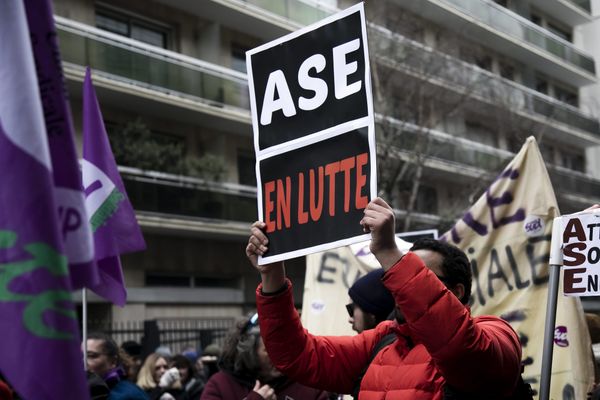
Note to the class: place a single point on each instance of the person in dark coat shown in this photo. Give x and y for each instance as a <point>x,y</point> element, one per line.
<point>247,372</point>
<point>107,360</point>
<point>190,384</point>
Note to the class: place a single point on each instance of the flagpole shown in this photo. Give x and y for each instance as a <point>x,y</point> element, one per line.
<point>556,261</point>
<point>84,325</point>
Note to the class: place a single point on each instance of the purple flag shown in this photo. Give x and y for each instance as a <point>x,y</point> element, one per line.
<point>38,324</point>
<point>70,201</point>
<point>113,221</point>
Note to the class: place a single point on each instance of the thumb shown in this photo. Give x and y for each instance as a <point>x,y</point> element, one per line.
<point>256,386</point>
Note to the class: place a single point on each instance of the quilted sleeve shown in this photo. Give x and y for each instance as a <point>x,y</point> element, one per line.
<point>472,354</point>
<point>331,363</point>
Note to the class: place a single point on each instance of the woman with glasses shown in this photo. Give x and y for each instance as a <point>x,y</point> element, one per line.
<point>247,372</point>
<point>371,302</point>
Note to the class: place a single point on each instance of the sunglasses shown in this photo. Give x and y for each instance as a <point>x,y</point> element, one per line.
<point>252,322</point>
<point>350,309</point>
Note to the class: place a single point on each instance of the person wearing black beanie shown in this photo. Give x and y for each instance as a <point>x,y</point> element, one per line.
<point>371,301</point>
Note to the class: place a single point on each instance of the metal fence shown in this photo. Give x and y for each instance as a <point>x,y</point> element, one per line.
<point>177,334</point>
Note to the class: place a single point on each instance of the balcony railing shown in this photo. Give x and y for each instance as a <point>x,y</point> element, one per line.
<point>189,197</point>
<point>442,146</point>
<point>152,67</point>
<point>583,4</point>
<point>298,11</point>
<point>577,183</point>
<point>520,28</point>
<point>397,51</point>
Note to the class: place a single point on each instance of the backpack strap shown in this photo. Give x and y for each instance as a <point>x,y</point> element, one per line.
<point>383,342</point>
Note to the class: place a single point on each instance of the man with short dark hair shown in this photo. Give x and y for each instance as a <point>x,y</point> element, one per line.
<point>440,349</point>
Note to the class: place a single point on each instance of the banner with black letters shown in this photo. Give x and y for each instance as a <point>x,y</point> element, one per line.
<point>314,137</point>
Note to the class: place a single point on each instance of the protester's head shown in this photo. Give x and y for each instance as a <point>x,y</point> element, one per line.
<point>449,263</point>
<point>185,367</point>
<point>207,364</point>
<point>244,353</point>
<point>134,351</point>
<point>102,354</point>
<point>371,301</point>
<point>152,370</point>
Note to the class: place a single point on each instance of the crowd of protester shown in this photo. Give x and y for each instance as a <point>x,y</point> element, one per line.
<point>241,370</point>
<point>416,339</point>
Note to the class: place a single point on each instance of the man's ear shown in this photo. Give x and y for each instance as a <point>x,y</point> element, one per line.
<point>113,362</point>
<point>372,319</point>
<point>458,290</point>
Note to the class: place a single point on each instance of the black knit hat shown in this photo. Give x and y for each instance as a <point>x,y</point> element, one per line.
<point>371,296</point>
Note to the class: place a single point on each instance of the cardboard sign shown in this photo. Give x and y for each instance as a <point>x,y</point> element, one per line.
<point>313,123</point>
<point>581,254</point>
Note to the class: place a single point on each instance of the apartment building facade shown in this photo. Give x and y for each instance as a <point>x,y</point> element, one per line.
<point>458,86</point>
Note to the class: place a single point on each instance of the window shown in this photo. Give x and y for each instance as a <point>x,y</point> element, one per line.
<point>484,62</point>
<point>245,168</point>
<point>478,131</point>
<point>558,90</point>
<point>541,85</point>
<point>133,27</point>
<point>572,161</point>
<point>536,19</point>
<point>157,279</point>
<point>427,200</point>
<point>238,57</point>
<point>560,30</point>
<point>164,280</point>
<point>507,71</point>
<point>566,96</point>
<point>547,152</point>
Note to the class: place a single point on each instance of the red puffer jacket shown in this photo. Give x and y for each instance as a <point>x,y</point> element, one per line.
<point>440,343</point>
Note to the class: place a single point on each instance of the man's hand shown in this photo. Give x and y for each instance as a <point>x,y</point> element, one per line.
<point>273,275</point>
<point>379,219</point>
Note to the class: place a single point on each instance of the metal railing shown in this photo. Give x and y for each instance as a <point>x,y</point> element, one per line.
<point>520,28</point>
<point>159,69</point>
<point>191,197</point>
<point>398,51</point>
<point>583,4</point>
<point>298,11</point>
<point>176,334</point>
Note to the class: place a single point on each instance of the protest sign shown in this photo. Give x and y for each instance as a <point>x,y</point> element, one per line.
<point>313,123</point>
<point>581,254</point>
<point>507,234</point>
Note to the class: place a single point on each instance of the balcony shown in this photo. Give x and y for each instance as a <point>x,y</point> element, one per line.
<point>153,68</point>
<point>175,195</point>
<point>583,4</point>
<point>454,155</point>
<point>297,11</point>
<point>437,68</point>
<point>506,32</point>
<point>520,28</point>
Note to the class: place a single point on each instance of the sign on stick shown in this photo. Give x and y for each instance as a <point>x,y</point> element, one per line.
<point>312,117</point>
<point>581,254</point>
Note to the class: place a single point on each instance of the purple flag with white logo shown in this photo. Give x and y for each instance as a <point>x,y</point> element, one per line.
<point>70,201</point>
<point>116,230</point>
<point>38,323</point>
